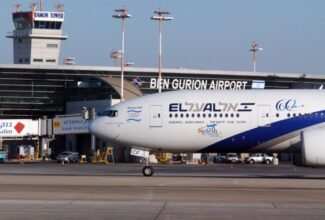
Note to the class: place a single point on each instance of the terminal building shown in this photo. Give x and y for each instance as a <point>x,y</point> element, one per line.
<point>36,86</point>
<point>29,91</point>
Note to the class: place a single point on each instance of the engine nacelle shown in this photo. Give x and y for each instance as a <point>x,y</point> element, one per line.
<point>313,147</point>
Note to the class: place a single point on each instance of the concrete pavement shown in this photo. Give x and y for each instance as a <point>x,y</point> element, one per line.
<point>120,192</point>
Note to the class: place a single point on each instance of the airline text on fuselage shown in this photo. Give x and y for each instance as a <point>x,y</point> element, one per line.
<point>210,107</point>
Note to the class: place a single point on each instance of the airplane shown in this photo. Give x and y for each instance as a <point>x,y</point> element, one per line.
<point>187,121</point>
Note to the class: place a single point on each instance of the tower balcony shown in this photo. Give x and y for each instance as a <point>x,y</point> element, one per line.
<point>38,33</point>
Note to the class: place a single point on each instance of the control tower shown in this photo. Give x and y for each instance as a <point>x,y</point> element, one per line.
<point>37,36</point>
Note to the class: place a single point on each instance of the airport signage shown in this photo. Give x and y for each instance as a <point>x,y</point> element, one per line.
<point>18,128</point>
<point>198,84</point>
<point>48,16</point>
<point>70,125</point>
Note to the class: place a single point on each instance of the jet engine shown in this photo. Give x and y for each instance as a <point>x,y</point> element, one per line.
<point>313,147</point>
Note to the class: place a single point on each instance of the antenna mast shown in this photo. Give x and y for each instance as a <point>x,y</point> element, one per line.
<point>33,6</point>
<point>59,7</point>
<point>18,7</point>
<point>41,5</point>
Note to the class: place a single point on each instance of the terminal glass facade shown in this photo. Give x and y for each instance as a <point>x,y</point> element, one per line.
<point>33,95</point>
<point>32,92</point>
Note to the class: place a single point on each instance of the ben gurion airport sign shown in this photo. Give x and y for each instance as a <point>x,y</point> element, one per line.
<point>200,84</point>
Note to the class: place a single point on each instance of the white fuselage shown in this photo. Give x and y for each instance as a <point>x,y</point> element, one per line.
<point>214,121</point>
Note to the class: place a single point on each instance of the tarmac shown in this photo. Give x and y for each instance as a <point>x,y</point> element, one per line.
<point>84,191</point>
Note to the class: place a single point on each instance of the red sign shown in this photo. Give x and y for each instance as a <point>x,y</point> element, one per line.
<point>19,127</point>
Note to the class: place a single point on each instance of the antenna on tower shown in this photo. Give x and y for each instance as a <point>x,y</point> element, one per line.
<point>33,6</point>
<point>59,7</point>
<point>18,7</point>
<point>41,5</point>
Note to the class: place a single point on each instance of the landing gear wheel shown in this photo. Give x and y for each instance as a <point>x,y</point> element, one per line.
<point>148,171</point>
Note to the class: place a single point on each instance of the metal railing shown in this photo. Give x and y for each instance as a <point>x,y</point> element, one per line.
<point>30,33</point>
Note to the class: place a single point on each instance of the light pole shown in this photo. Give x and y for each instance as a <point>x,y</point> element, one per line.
<point>122,14</point>
<point>160,16</point>
<point>254,49</point>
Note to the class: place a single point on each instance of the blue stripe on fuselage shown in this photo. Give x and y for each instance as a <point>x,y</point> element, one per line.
<point>247,140</point>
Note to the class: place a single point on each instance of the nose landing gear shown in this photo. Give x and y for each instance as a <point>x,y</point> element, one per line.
<point>143,153</point>
<point>148,171</point>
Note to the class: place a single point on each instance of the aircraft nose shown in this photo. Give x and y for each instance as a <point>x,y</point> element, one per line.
<point>103,128</point>
<point>96,127</point>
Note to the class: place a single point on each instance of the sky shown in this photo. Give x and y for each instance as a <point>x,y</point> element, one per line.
<point>207,34</point>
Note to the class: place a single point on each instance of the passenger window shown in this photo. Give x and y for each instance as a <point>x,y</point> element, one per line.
<point>198,115</point>
<point>220,116</point>
<point>193,115</point>
<point>277,115</point>
<point>226,115</point>
<point>288,115</point>
<point>187,115</point>
<point>176,115</point>
<point>232,115</point>
<point>237,115</point>
<point>203,115</point>
<point>215,115</point>
<point>170,115</point>
<point>209,115</point>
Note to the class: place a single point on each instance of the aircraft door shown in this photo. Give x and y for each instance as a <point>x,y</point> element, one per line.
<point>155,116</point>
<point>264,115</point>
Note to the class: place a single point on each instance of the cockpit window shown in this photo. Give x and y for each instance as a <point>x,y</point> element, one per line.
<point>111,113</point>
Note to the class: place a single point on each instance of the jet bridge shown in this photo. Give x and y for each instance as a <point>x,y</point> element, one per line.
<point>22,129</point>
<point>42,130</point>
<point>27,129</point>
